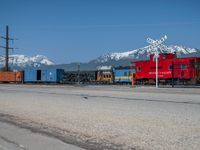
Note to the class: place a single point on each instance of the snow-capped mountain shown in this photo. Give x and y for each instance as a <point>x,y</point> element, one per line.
<point>125,58</point>
<point>142,53</point>
<point>27,61</point>
<point>113,59</point>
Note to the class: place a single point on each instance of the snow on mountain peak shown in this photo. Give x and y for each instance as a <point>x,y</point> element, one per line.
<point>143,53</point>
<point>181,49</point>
<point>118,55</point>
<point>27,61</point>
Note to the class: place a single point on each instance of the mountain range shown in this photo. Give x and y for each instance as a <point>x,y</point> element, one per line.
<point>126,57</point>
<point>23,61</point>
<point>111,59</point>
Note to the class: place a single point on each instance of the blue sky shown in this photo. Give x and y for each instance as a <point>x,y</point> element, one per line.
<point>80,30</point>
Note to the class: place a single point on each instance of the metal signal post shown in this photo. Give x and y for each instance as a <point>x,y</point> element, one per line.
<point>157,55</point>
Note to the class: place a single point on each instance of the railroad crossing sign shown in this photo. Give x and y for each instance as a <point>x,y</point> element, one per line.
<point>156,47</point>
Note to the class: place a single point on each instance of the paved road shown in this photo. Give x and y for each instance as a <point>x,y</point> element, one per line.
<point>107,117</point>
<point>15,138</point>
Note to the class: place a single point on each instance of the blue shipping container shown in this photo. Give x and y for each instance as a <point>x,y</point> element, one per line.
<point>52,75</point>
<point>30,75</point>
<point>43,75</point>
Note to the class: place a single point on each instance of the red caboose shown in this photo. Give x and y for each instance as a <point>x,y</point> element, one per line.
<point>170,67</point>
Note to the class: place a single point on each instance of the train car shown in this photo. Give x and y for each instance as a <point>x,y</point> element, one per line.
<point>123,75</point>
<point>43,75</point>
<point>105,75</point>
<point>32,75</point>
<point>11,77</point>
<point>169,67</point>
<point>52,75</point>
<point>187,70</point>
<point>85,77</point>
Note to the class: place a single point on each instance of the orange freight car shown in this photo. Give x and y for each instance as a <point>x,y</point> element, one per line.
<point>11,77</point>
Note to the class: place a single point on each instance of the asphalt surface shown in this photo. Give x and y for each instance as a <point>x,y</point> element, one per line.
<point>106,117</point>
<point>15,138</point>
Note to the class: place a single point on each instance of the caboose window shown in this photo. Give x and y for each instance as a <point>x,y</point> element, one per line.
<point>183,66</point>
<point>170,67</point>
<point>139,68</point>
<point>164,56</point>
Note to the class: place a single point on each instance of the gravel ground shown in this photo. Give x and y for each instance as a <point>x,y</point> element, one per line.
<point>107,117</point>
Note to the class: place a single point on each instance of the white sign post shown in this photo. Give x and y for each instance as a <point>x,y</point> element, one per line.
<point>156,55</point>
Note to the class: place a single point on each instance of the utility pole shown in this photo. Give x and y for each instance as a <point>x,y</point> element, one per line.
<point>7,47</point>
<point>7,39</point>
